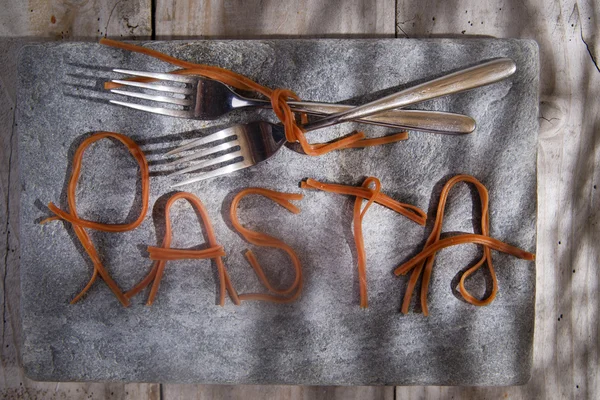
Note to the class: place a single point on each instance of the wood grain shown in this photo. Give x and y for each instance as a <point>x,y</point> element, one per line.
<point>274,18</point>
<point>64,19</point>
<point>250,392</point>
<point>566,340</point>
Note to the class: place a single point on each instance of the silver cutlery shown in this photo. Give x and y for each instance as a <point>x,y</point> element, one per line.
<point>205,99</point>
<point>258,141</point>
<point>466,79</point>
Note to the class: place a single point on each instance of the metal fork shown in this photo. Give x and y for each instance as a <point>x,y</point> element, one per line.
<point>205,99</point>
<point>258,141</point>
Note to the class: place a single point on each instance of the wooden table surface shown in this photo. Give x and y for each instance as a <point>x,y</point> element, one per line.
<point>566,341</point>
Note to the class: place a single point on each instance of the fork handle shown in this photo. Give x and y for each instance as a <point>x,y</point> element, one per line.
<point>418,120</point>
<point>479,75</point>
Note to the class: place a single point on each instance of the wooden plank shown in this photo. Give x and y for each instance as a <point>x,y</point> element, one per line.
<point>80,391</point>
<point>259,18</point>
<point>65,19</point>
<point>249,392</point>
<point>23,22</point>
<point>566,341</point>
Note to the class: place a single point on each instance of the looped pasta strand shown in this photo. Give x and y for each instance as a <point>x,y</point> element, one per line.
<point>79,224</point>
<point>415,214</point>
<point>165,253</point>
<point>262,239</point>
<point>423,262</point>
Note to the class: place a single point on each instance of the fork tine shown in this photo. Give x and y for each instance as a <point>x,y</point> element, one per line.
<point>208,163</point>
<point>162,99</point>
<point>158,75</point>
<point>214,173</point>
<point>155,110</point>
<point>204,152</point>
<point>222,134</point>
<point>151,86</point>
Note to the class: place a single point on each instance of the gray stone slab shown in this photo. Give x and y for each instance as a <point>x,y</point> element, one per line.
<point>324,338</point>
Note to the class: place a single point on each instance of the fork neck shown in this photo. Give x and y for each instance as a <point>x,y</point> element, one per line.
<point>238,101</point>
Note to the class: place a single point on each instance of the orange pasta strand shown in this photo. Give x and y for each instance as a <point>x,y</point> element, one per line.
<point>415,214</point>
<point>358,237</point>
<point>165,253</point>
<point>423,262</point>
<point>79,224</point>
<point>393,138</point>
<point>411,212</point>
<point>262,239</point>
<point>278,97</point>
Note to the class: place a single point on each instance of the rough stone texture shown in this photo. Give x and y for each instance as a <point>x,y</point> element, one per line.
<point>324,338</point>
